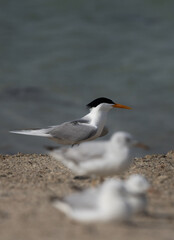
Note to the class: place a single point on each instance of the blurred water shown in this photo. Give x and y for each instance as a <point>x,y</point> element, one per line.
<point>56,56</point>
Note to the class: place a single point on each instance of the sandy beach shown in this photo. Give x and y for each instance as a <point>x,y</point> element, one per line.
<point>27,182</point>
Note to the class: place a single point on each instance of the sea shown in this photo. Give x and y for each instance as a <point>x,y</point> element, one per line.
<point>56,56</point>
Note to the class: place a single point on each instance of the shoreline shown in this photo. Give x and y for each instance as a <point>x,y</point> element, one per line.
<point>27,181</point>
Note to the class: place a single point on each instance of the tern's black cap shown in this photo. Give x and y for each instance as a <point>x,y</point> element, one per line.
<point>98,101</point>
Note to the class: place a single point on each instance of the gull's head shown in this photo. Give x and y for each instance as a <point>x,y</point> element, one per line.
<point>104,104</point>
<point>122,139</point>
<point>137,184</point>
<point>126,139</point>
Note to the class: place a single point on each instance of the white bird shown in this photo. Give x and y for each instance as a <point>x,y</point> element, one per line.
<point>103,159</point>
<point>87,150</point>
<point>136,187</point>
<point>87,128</point>
<point>102,204</point>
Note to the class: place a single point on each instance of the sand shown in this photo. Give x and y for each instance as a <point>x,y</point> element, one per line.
<point>27,182</point>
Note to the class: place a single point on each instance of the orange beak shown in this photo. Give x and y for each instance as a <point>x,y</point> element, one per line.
<point>116,105</point>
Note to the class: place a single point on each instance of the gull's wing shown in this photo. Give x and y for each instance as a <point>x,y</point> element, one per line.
<point>86,150</point>
<point>90,214</point>
<point>72,132</point>
<point>85,199</point>
<point>88,166</point>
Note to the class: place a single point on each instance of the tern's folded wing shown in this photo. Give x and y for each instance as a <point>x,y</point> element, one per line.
<point>104,132</point>
<point>72,132</point>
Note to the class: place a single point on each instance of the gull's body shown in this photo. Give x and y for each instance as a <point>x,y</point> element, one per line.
<point>136,187</point>
<point>87,128</point>
<point>82,152</point>
<point>101,204</point>
<point>115,156</point>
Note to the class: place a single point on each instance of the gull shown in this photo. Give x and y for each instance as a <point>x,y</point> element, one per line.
<point>87,128</point>
<point>89,150</point>
<point>136,187</point>
<point>102,204</point>
<point>100,159</point>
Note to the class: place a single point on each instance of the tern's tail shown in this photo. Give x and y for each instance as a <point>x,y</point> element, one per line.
<point>33,132</point>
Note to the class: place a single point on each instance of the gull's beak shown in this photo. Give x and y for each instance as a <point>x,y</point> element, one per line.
<point>141,145</point>
<point>152,190</point>
<point>116,105</point>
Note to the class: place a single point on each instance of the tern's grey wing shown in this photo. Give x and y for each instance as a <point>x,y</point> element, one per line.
<point>72,132</point>
<point>104,132</point>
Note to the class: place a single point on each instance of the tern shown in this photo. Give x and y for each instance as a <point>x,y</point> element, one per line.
<point>114,158</point>
<point>87,128</point>
<point>104,203</point>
